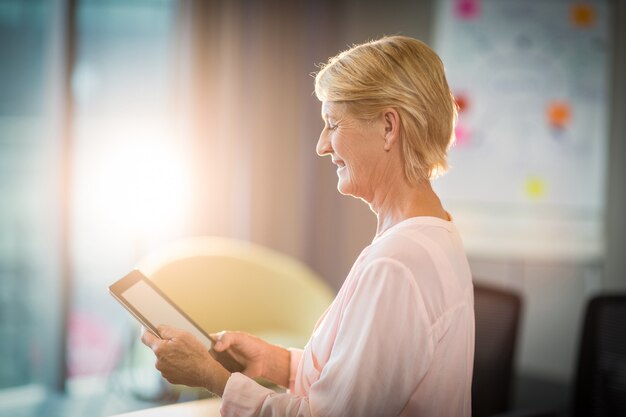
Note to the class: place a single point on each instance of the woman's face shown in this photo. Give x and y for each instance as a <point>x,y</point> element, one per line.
<point>356,148</point>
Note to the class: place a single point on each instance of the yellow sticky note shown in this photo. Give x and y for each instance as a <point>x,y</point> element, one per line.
<point>535,187</point>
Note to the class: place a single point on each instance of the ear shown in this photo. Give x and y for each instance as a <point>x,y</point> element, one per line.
<point>391,120</point>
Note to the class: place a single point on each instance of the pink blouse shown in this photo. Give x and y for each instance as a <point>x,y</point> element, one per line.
<point>398,340</point>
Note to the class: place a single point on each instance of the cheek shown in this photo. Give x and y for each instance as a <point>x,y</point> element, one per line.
<point>345,151</point>
<point>355,162</point>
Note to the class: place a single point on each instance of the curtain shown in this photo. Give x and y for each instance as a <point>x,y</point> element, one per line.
<point>247,99</point>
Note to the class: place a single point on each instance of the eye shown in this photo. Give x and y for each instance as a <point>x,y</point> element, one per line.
<point>332,126</point>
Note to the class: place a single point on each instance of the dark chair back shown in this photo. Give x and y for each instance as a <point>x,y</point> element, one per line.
<point>497,313</point>
<point>600,389</point>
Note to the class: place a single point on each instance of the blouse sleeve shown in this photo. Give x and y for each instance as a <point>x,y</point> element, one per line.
<point>295,357</point>
<point>381,352</point>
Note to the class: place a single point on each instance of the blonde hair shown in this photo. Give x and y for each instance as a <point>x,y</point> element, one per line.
<point>405,74</point>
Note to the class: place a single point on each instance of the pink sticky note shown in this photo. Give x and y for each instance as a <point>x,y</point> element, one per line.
<point>462,135</point>
<point>467,9</point>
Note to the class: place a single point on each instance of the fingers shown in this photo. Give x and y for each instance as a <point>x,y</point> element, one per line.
<point>169,332</point>
<point>166,332</point>
<point>149,339</point>
<point>216,338</point>
<point>224,340</point>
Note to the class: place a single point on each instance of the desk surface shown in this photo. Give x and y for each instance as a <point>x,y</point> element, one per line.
<point>204,408</point>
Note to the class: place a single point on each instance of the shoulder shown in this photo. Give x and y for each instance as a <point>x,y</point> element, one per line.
<point>402,247</point>
<point>392,262</point>
<point>431,256</point>
<point>418,243</point>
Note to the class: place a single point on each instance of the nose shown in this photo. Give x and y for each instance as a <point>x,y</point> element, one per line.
<point>323,145</point>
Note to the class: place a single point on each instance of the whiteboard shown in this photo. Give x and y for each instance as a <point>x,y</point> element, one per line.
<point>528,169</point>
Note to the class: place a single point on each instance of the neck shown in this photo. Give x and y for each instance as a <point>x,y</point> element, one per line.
<point>403,201</point>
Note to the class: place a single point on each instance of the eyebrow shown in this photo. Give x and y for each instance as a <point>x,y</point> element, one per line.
<point>326,117</point>
<point>326,114</point>
<point>338,114</point>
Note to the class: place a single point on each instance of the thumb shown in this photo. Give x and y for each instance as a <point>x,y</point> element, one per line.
<point>149,339</point>
<point>223,340</point>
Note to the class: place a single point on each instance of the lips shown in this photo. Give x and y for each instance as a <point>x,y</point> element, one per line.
<point>339,163</point>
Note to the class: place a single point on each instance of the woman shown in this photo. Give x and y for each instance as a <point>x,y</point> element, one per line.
<point>398,340</point>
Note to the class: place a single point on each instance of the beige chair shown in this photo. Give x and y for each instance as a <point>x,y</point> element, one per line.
<point>226,284</point>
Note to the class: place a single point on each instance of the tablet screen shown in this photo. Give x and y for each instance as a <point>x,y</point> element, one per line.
<point>157,310</point>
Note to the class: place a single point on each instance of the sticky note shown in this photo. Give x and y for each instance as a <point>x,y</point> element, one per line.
<point>462,135</point>
<point>582,15</point>
<point>559,114</point>
<point>535,187</point>
<point>467,9</point>
<point>462,102</point>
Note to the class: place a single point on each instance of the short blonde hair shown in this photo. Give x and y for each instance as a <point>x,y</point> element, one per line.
<point>405,74</point>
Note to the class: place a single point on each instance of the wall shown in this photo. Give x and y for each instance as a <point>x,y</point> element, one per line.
<point>555,293</point>
<point>615,269</point>
<point>349,223</point>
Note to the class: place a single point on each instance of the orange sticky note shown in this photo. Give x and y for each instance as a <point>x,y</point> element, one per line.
<point>559,114</point>
<point>462,102</point>
<point>582,15</point>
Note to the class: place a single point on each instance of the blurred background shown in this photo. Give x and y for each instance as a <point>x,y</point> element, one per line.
<point>128,124</point>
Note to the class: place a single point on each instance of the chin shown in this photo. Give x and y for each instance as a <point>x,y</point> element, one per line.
<point>341,190</point>
<point>346,188</point>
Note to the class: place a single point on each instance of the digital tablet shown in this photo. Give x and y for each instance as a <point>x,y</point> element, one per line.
<point>153,308</point>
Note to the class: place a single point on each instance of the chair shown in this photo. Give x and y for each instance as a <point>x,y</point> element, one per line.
<point>497,315</point>
<point>600,381</point>
<point>226,284</point>
<point>600,387</point>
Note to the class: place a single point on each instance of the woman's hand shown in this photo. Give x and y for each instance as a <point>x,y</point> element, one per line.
<point>182,359</point>
<point>258,358</point>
